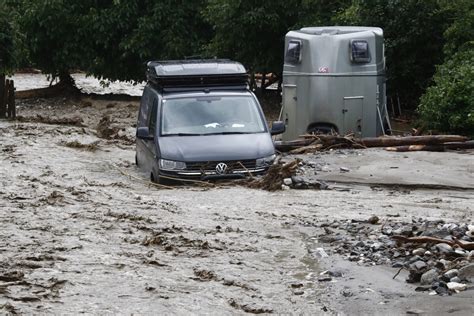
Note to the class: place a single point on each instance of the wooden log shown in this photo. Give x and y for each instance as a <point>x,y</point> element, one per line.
<point>3,108</point>
<point>441,147</point>
<point>438,148</point>
<point>411,140</point>
<point>285,146</point>
<point>11,99</point>
<point>459,145</point>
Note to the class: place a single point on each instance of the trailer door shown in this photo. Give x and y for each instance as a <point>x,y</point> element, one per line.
<point>353,110</point>
<point>290,112</point>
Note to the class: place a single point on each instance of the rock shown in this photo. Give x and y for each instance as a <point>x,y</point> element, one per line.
<point>454,286</point>
<point>443,264</point>
<point>287,181</point>
<point>419,252</point>
<point>443,248</point>
<point>429,277</point>
<point>397,264</point>
<point>467,272</point>
<point>324,279</point>
<point>461,253</point>
<point>455,279</point>
<point>285,187</point>
<point>418,265</point>
<point>373,220</point>
<point>428,253</point>
<point>414,259</point>
<point>449,227</point>
<point>344,169</point>
<point>415,312</point>
<point>297,179</point>
<point>451,273</point>
<point>336,274</point>
<point>320,253</point>
<point>441,288</point>
<point>377,246</point>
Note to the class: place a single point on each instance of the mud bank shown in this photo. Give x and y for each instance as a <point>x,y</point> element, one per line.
<point>81,233</point>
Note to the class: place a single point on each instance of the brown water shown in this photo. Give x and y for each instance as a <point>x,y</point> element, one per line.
<point>84,232</point>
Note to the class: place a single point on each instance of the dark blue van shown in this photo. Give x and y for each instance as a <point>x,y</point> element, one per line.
<point>199,120</point>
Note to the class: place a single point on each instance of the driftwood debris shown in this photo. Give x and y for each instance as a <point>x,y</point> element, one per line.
<point>273,179</point>
<point>426,239</point>
<point>313,143</point>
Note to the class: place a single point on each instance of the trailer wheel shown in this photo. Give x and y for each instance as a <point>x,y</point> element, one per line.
<point>321,128</point>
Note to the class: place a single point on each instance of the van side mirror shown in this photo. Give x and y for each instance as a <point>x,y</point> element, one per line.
<point>278,127</point>
<point>144,133</point>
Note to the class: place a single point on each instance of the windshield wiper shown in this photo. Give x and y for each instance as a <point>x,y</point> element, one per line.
<point>183,134</point>
<point>228,133</point>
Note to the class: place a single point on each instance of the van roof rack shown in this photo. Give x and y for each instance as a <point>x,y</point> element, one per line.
<point>197,73</point>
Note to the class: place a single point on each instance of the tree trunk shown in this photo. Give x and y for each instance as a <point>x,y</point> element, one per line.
<point>411,140</point>
<point>65,79</point>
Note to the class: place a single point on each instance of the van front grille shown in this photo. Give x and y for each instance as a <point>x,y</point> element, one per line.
<point>211,165</point>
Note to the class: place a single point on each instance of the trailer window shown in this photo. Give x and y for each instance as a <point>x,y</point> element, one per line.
<point>293,52</point>
<point>360,51</point>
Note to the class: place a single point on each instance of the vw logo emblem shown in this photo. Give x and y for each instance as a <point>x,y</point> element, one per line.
<point>221,168</point>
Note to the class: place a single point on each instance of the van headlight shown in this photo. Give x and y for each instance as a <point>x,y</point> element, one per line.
<point>171,165</point>
<point>266,161</point>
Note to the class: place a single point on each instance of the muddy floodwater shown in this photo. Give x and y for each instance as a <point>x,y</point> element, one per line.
<point>83,231</point>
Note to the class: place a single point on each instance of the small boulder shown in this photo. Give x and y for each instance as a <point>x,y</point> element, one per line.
<point>429,277</point>
<point>443,248</point>
<point>467,272</point>
<point>451,274</point>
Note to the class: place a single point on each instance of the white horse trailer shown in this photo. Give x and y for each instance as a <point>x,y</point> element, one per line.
<point>334,80</point>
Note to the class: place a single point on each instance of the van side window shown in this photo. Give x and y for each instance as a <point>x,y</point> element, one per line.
<point>153,115</point>
<point>144,109</point>
<point>360,51</point>
<point>293,52</point>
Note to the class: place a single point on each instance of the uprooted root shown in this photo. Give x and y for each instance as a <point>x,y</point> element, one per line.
<point>273,179</point>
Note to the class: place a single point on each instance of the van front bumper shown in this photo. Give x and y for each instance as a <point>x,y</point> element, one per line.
<point>212,175</point>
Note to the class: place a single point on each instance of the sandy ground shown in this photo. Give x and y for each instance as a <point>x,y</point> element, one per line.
<point>83,231</point>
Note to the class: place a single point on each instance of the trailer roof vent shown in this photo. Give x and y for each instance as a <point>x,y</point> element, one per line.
<point>360,51</point>
<point>293,52</point>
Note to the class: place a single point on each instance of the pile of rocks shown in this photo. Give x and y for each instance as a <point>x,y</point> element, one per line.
<point>440,266</point>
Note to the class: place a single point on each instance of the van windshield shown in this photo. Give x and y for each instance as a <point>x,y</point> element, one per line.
<point>211,115</point>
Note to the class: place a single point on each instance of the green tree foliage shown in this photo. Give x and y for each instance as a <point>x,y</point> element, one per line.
<point>414,40</point>
<point>125,34</point>
<point>7,39</point>
<point>110,39</point>
<point>253,32</point>
<point>55,34</point>
<point>448,105</point>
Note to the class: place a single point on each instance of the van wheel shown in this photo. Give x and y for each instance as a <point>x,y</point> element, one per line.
<point>159,180</point>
